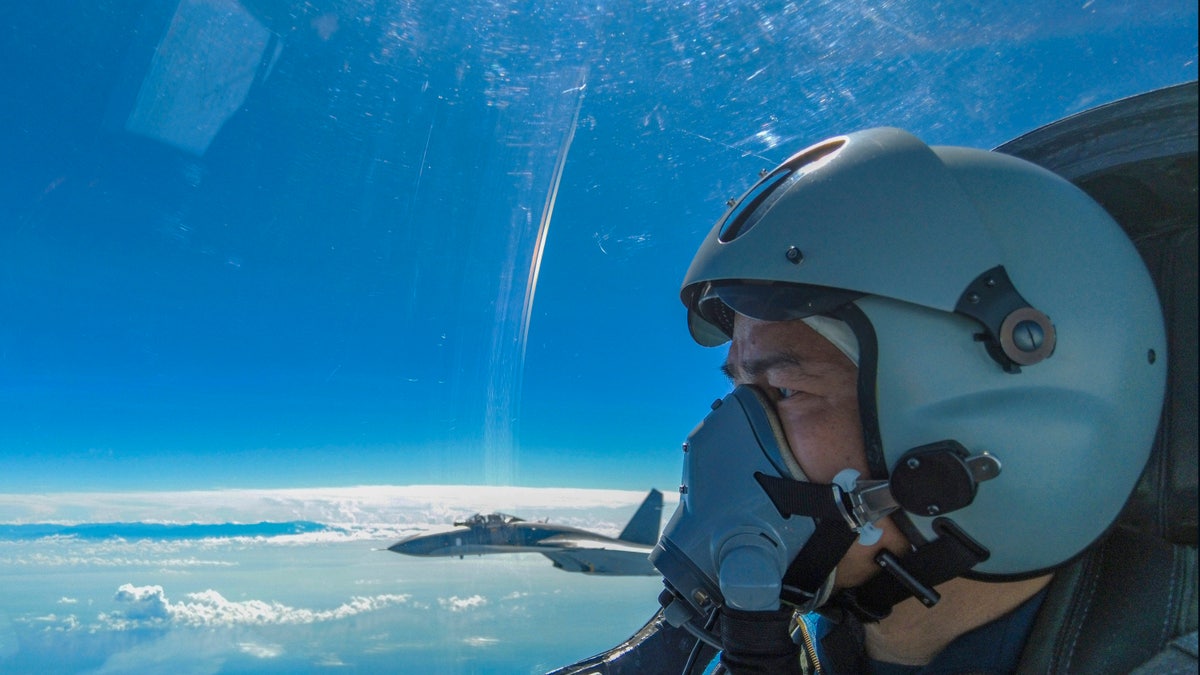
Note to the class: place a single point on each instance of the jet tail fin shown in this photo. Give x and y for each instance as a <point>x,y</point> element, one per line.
<point>643,527</point>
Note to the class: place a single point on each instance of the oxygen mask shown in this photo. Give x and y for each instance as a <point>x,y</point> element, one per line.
<point>750,531</point>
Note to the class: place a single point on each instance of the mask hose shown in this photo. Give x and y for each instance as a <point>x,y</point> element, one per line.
<point>703,637</point>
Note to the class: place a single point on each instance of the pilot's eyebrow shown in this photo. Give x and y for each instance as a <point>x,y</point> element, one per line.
<point>754,368</point>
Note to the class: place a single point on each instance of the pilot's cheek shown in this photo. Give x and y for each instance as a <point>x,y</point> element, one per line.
<point>826,442</point>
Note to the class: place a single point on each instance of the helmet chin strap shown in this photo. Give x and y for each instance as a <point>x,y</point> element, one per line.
<point>846,511</point>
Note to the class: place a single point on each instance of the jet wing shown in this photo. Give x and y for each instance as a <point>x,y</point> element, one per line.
<point>594,556</point>
<point>569,543</point>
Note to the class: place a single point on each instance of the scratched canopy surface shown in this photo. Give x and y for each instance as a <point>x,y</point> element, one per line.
<point>268,243</point>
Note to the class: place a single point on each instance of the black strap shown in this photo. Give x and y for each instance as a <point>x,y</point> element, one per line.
<point>797,498</point>
<point>829,542</point>
<point>758,642</point>
<point>814,562</point>
<point>953,553</point>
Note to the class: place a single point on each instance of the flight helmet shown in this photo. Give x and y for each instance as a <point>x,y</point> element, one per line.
<point>999,311</point>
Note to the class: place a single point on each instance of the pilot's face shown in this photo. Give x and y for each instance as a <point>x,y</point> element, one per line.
<point>814,388</point>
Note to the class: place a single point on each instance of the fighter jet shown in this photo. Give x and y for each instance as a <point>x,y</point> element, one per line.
<point>569,548</point>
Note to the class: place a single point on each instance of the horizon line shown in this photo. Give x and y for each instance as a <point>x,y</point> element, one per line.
<point>326,488</point>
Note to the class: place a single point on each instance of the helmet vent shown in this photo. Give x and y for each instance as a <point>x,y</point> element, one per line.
<point>758,200</point>
<point>739,219</point>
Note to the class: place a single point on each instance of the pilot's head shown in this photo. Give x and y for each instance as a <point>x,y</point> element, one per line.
<point>962,323</point>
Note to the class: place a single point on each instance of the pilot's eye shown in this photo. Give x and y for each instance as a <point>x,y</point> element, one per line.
<point>784,392</point>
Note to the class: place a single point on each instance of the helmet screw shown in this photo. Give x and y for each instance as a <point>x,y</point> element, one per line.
<point>685,447</point>
<point>683,489</point>
<point>731,202</point>
<point>990,282</point>
<point>700,597</point>
<point>762,173</point>
<point>795,255</point>
<point>1028,336</point>
<point>973,298</point>
<point>913,463</point>
<point>933,509</point>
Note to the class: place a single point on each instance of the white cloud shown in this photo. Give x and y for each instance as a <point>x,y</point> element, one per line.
<point>260,651</point>
<point>67,601</point>
<point>457,604</point>
<point>81,561</point>
<point>480,641</point>
<point>55,623</point>
<point>330,661</point>
<point>144,606</point>
<point>143,603</point>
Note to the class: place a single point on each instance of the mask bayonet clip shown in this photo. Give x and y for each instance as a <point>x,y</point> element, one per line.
<point>862,503</point>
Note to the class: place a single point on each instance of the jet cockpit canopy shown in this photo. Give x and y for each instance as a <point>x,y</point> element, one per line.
<point>488,520</point>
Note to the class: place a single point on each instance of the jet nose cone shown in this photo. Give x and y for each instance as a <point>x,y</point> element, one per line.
<point>408,545</point>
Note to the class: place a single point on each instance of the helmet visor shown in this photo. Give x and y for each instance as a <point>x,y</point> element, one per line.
<point>710,315</point>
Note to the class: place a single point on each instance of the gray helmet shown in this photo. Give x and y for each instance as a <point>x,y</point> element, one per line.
<point>995,305</point>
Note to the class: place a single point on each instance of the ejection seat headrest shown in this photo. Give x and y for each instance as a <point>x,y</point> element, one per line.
<point>1137,158</point>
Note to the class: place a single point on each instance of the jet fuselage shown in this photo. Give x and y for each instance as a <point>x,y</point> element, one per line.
<point>569,548</point>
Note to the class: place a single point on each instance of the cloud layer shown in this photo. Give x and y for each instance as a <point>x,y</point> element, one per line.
<point>142,606</point>
<point>355,506</point>
<point>335,597</point>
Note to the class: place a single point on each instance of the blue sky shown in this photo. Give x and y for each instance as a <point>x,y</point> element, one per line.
<point>332,285</point>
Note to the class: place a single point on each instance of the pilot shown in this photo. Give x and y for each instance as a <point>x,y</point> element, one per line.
<point>949,365</point>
